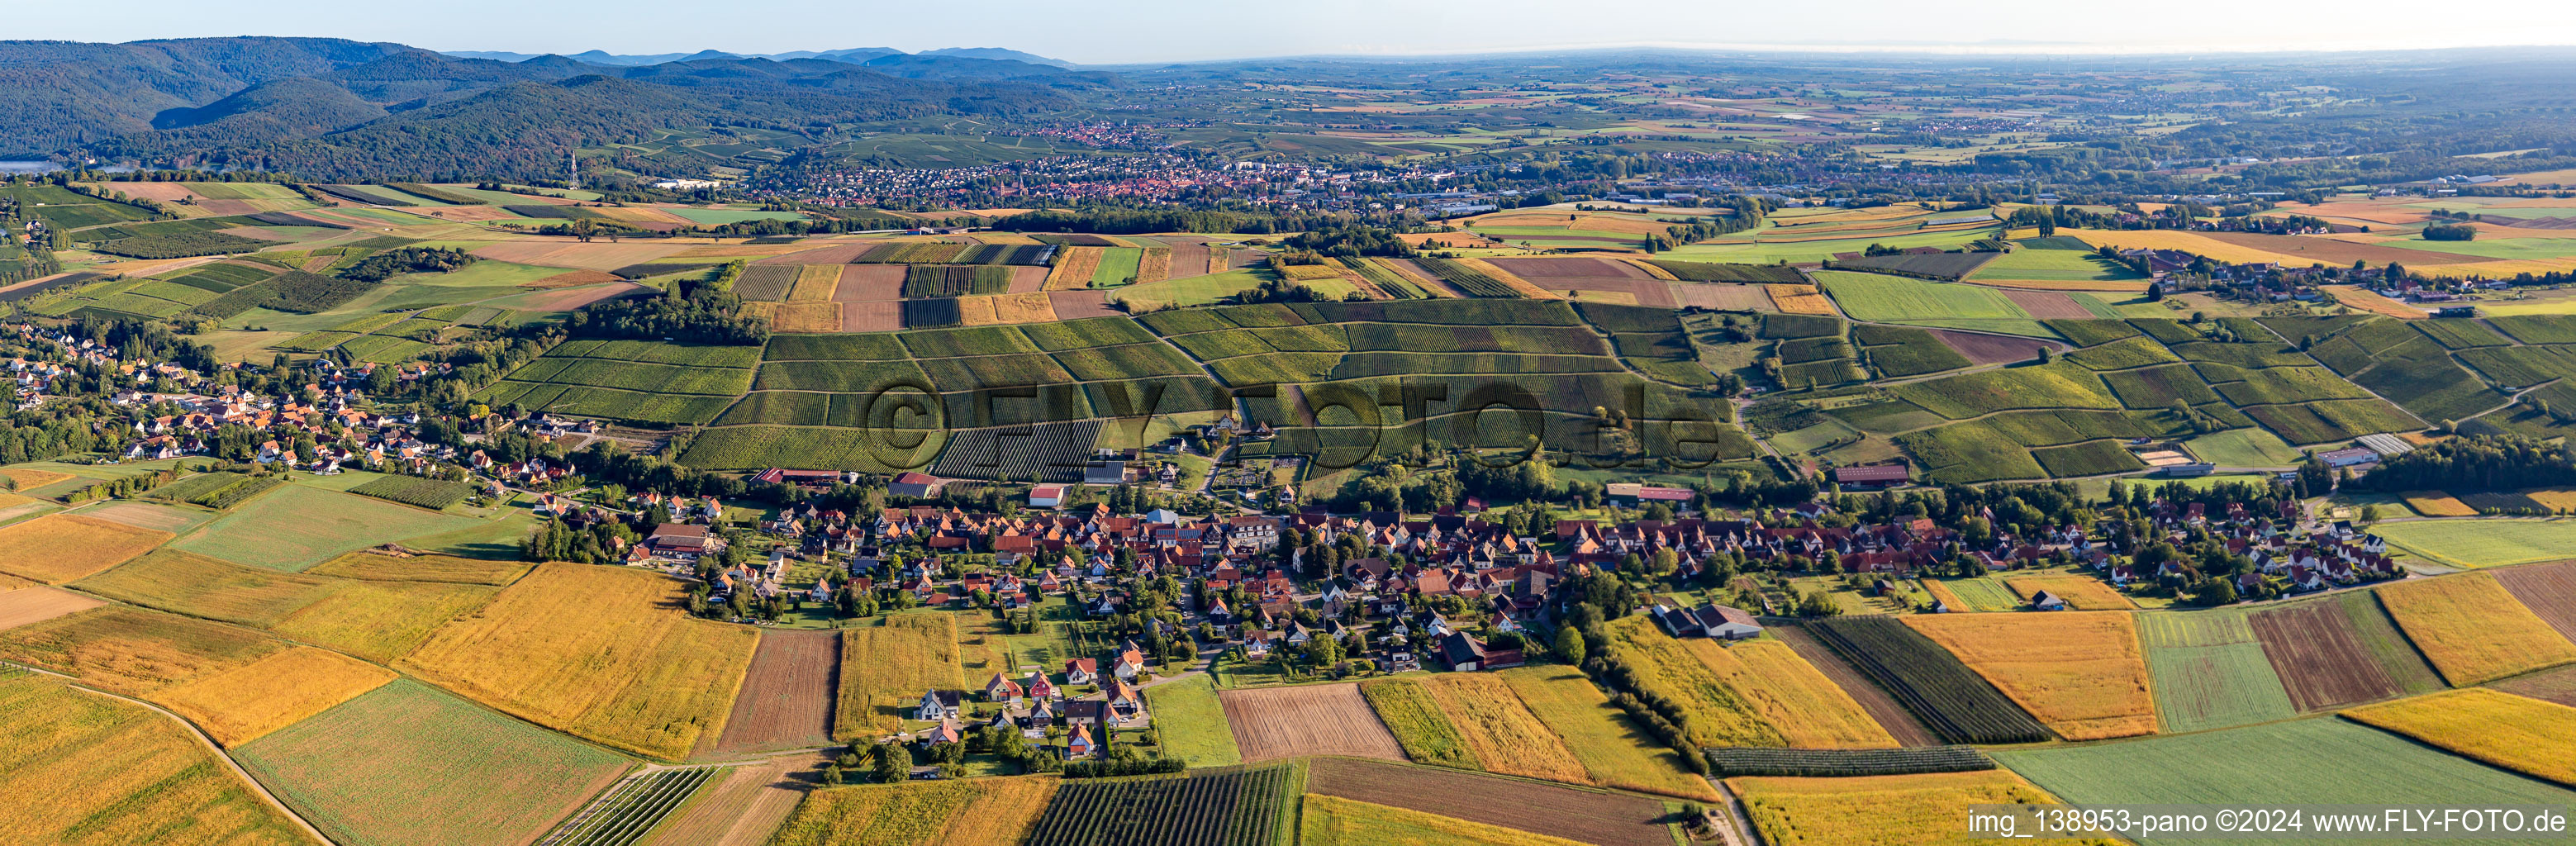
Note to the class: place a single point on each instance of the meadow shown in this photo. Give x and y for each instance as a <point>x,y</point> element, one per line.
<point>297,526</point>
<point>1193,723</point>
<point>601,652</point>
<point>80,768</point>
<point>411,764</point>
<point>2481,543</point>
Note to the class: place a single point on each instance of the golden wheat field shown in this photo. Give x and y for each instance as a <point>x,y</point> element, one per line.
<point>245,703</point>
<point>601,652</point>
<point>382,621</point>
<point>885,668</point>
<point>58,548</point>
<point>2082,593</point>
<point>134,651</point>
<point>1505,736</point>
<point>2472,629</point>
<point>1800,299</point>
<point>1073,268</point>
<point>80,768</point>
<point>1810,711</point>
<point>1611,747</point>
<point>28,478</point>
<point>2522,734</point>
<point>421,568</point>
<point>1898,810</point>
<point>2080,672</point>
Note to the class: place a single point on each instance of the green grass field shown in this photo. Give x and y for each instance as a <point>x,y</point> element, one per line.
<point>721,216</point>
<point>2054,266</point>
<point>1193,724</point>
<point>2209,672</point>
<point>1898,299</point>
<point>408,763</point>
<point>1117,267</point>
<point>295,527</point>
<point>2482,543</point>
<point>2315,761</point>
<point>1193,291</point>
<point>1983,594</point>
<point>2245,448</point>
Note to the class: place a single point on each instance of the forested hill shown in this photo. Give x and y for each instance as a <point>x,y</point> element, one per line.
<point>333,109</point>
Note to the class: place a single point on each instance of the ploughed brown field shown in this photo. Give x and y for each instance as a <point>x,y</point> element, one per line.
<point>1899,723</point>
<point>2558,685</point>
<point>787,698</point>
<point>2048,305</point>
<point>1288,722</point>
<point>1591,816</point>
<point>2320,656</point>
<point>1993,349</point>
<point>2549,590</point>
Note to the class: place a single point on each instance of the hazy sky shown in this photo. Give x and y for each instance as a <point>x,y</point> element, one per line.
<point>1172,30</point>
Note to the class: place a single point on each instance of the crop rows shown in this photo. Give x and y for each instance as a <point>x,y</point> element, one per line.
<point>1467,277</point>
<point>236,493</point>
<point>1953,700</point>
<point>1045,452</point>
<point>955,280</point>
<point>629,812</point>
<point>1393,283</point>
<point>1701,271</point>
<point>431,494</point>
<point>912,252</point>
<point>1233,807</point>
<point>1749,761</point>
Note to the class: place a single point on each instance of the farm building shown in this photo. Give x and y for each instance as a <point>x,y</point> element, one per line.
<point>1885,475</point>
<point>2347,457</point>
<point>1466,654</point>
<point>916,484</point>
<point>1716,621</point>
<point>1647,493</point>
<point>2045,601</point>
<point>1046,496</point>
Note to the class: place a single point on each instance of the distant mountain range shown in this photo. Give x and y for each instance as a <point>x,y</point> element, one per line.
<point>332,109</point>
<point>854,55</point>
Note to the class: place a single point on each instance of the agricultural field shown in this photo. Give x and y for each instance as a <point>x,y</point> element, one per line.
<point>1844,763</point>
<point>2340,650</point>
<point>1717,714</point>
<point>1334,821</point>
<point>80,768</point>
<point>885,667</point>
<point>2549,590</point>
<point>422,568</point>
<point>410,764</point>
<point>1614,752</point>
<point>2210,671</point>
<point>1288,722</point>
<point>24,603</point>
<point>970,812</point>
<point>1879,298</point>
<point>1229,806</point>
<point>1789,694</point>
<point>1414,717</point>
<point>2529,736</point>
<point>58,548</point>
<point>1583,815</point>
<point>1955,702</point>
<point>635,807</point>
<point>2079,672</point>
<point>2472,629</point>
<point>601,652</point>
<point>133,651</point>
<point>1497,729</point>
<point>431,494</point>
<point>298,526</point>
<point>374,620</point>
<point>1193,722</point>
<point>248,702</point>
<point>2470,544</point>
<point>1890,809</point>
<point>2312,761</point>
<point>787,695</point>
